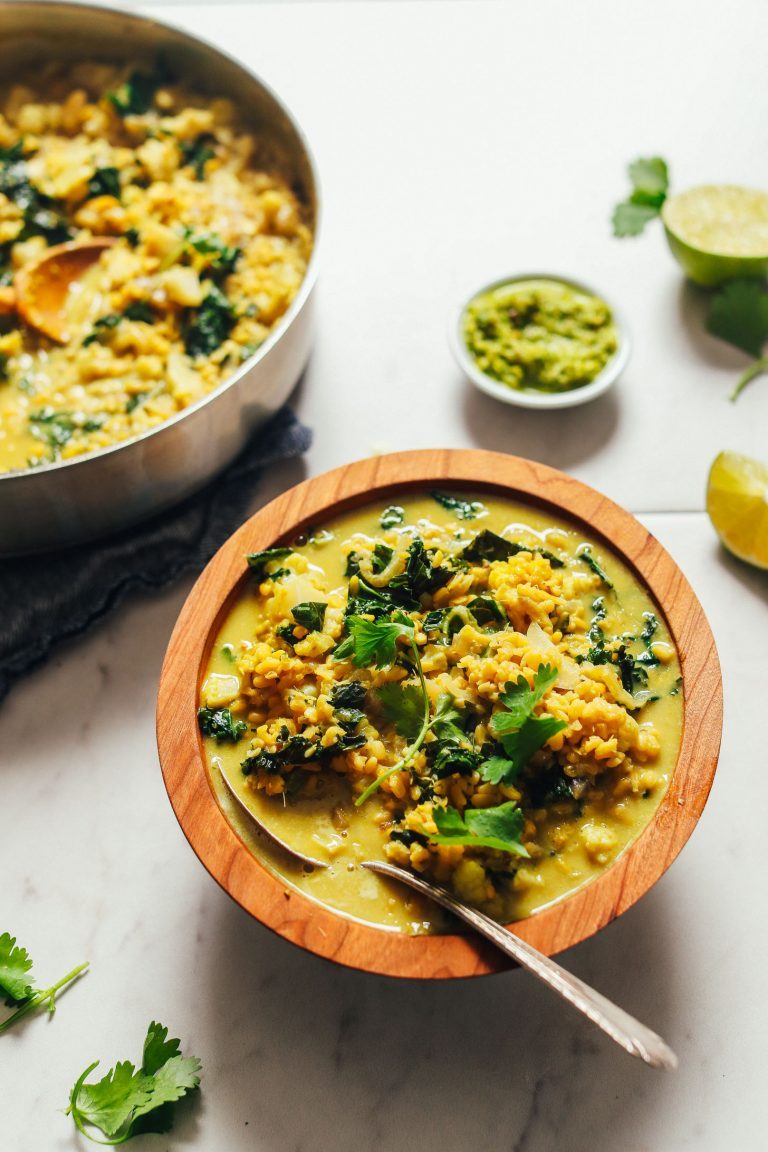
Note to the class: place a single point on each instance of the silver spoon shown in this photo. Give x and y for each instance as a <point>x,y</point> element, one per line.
<point>309,860</point>
<point>627,1032</point>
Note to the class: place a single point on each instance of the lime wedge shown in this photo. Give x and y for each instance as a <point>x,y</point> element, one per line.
<point>718,232</point>
<point>737,503</point>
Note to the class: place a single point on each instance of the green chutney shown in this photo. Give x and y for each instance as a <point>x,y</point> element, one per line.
<point>541,335</point>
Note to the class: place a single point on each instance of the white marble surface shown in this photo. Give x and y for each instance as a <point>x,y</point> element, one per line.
<point>456,140</point>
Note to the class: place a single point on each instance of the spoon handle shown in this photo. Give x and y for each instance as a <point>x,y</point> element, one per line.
<point>627,1032</point>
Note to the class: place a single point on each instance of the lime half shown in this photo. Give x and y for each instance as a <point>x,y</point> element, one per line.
<point>718,232</point>
<point>737,503</point>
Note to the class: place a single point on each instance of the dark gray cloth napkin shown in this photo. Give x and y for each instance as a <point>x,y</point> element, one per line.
<point>49,598</point>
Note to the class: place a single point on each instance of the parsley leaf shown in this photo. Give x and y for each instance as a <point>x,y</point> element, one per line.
<point>519,731</point>
<point>121,1103</point>
<point>17,984</point>
<point>257,561</point>
<point>373,641</point>
<point>650,183</point>
<point>500,828</point>
<point>403,706</point>
<point>220,724</point>
<point>464,509</point>
<point>392,516</point>
<point>310,614</point>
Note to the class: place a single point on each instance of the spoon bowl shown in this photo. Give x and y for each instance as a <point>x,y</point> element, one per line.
<point>42,287</point>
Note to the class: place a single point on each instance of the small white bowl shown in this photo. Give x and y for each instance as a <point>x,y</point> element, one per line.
<point>529,397</point>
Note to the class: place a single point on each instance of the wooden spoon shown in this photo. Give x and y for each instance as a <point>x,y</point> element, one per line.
<point>42,286</point>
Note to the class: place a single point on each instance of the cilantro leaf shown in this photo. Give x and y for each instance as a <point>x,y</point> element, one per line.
<point>630,219</point>
<point>257,561</point>
<point>392,516</point>
<point>403,706</point>
<point>120,1103</point>
<point>520,700</point>
<point>650,179</point>
<point>464,509</point>
<point>520,732</point>
<point>15,964</point>
<point>310,614</point>
<point>373,641</point>
<point>18,987</point>
<point>499,828</point>
<point>221,724</point>
<point>739,315</point>
<point>519,747</point>
<point>447,720</point>
<point>650,183</point>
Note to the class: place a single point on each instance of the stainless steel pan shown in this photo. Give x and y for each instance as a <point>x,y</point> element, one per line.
<point>77,500</point>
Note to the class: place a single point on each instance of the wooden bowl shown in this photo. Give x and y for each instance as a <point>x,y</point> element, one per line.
<point>331,934</point>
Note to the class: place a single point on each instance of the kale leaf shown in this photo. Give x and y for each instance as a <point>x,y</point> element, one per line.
<point>464,509</point>
<point>392,516</point>
<point>104,182</point>
<point>220,724</point>
<point>257,561</point>
<point>210,324</point>
<point>310,614</point>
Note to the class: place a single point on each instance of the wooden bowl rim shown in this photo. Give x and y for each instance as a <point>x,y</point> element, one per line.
<point>351,942</point>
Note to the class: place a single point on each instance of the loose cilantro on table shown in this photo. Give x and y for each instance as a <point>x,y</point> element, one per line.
<point>17,984</point>
<point>464,509</point>
<point>500,828</point>
<point>738,314</point>
<point>519,731</point>
<point>210,324</point>
<point>310,615</point>
<point>129,1101</point>
<point>221,724</point>
<point>650,184</point>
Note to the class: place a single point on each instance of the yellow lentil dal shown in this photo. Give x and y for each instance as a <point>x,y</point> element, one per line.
<point>211,246</point>
<point>564,602</point>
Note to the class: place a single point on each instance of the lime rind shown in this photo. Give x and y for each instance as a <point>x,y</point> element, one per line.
<point>718,232</point>
<point>737,503</point>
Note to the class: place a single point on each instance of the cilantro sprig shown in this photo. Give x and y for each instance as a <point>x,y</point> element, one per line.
<point>650,183</point>
<point>738,314</point>
<point>519,731</point>
<point>500,828</point>
<point>17,983</point>
<point>129,1101</point>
